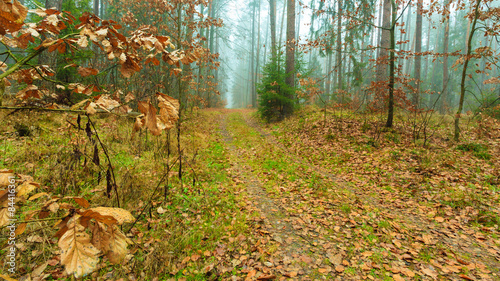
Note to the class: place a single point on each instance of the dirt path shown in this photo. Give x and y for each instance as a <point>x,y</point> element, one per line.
<point>295,257</point>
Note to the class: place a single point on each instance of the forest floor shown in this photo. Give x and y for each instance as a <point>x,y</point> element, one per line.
<point>314,197</point>
<point>375,213</point>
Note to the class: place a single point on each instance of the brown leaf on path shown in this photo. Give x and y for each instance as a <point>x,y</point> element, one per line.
<point>291,274</point>
<point>339,268</point>
<point>466,277</point>
<point>195,257</point>
<point>251,274</point>
<point>430,272</point>
<point>267,277</point>
<point>336,260</point>
<point>306,259</point>
<point>397,277</point>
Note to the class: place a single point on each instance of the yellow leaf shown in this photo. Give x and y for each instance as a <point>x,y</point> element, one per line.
<point>7,278</point>
<point>4,216</point>
<point>26,188</point>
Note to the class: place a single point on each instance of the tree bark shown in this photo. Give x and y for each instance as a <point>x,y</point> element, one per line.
<point>464,71</point>
<point>252,62</point>
<point>418,57</point>
<point>384,42</point>
<point>339,45</point>
<point>290,54</point>
<point>390,110</point>
<point>272,20</point>
<point>444,98</point>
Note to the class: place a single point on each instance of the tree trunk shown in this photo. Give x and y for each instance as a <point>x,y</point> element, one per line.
<point>252,61</point>
<point>444,98</point>
<point>258,58</point>
<point>464,71</point>
<point>290,53</point>
<point>339,45</point>
<point>418,57</point>
<point>384,43</point>
<point>272,20</point>
<point>390,111</point>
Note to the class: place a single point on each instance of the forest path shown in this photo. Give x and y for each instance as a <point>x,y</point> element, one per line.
<point>291,254</point>
<point>321,227</point>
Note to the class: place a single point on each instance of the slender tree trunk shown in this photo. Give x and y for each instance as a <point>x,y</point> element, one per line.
<point>464,71</point>
<point>339,45</point>
<point>384,43</point>
<point>427,45</point>
<point>258,57</point>
<point>390,111</point>
<point>252,61</point>
<point>418,57</point>
<point>329,75</point>
<point>379,33</point>
<point>272,20</point>
<point>311,29</point>
<point>283,23</point>
<point>290,53</point>
<point>444,98</point>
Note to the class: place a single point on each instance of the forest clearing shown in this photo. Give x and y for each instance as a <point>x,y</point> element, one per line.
<point>249,140</point>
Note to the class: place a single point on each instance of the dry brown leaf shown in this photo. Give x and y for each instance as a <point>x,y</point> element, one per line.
<point>139,123</point>
<point>91,108</point>
<point>26,188</point>
<point>4,177</point>
<point>111,241</point>
<point>85,71</point>
<point>4,216</point>
<point>39,270</point>
<point>430,272</point>
<point>397,277</point>
<point>149,111</point>
<point>78,255</point>
<point>82,202</point>
<point>129,67</point>
<point>121,215</point>
<point>107,103</point>
<point>336,260</point>
<point>12,12</point>
<point>7,278</point>
<point>340,268</point>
